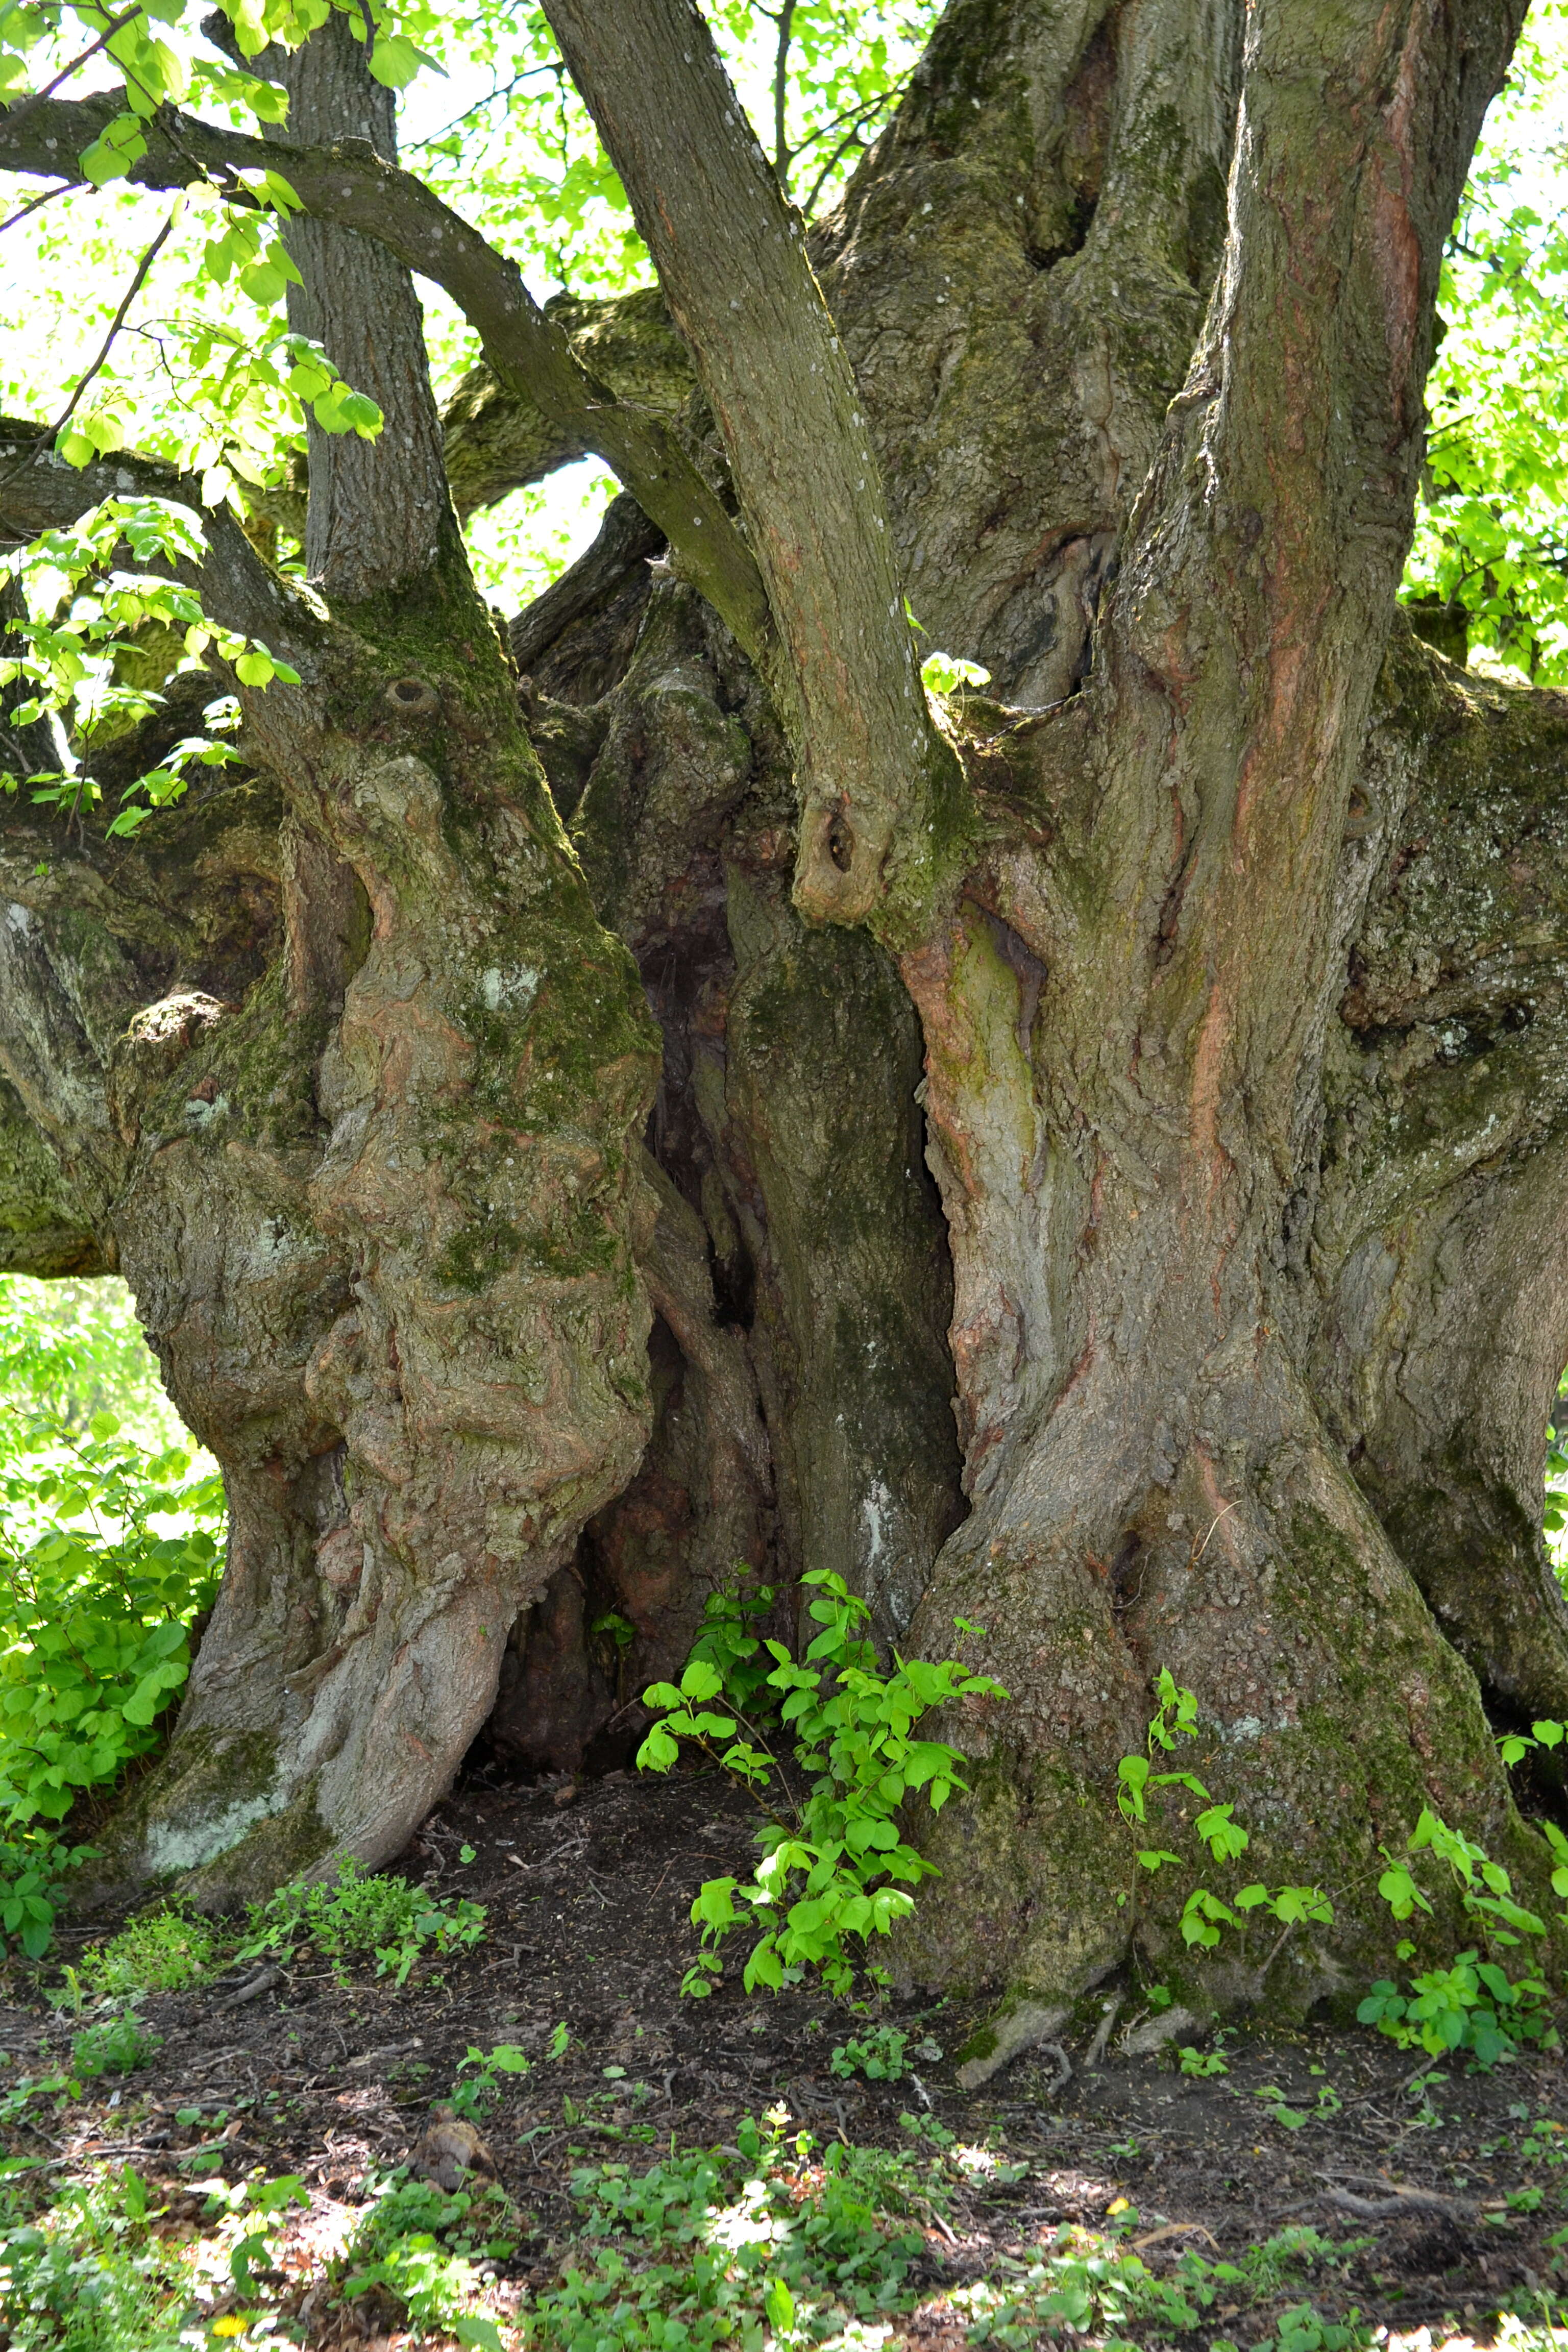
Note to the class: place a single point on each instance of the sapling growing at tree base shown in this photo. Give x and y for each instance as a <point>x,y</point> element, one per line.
<point>829,1850</point>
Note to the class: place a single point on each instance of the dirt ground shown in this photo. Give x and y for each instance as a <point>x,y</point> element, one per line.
<point>1450,2200</point>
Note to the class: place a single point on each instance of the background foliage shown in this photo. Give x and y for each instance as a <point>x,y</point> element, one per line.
<point>111,1528</point>
<point>1492,548</point>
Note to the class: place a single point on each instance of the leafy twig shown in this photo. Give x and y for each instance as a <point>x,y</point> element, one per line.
<point>15,114</point>
<point>52,432</point>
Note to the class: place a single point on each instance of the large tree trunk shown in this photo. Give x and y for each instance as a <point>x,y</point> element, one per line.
<point>1127,1037</point>
<point>367,1171</point>
<point>1130,1222</point>
<point>1129,989</point>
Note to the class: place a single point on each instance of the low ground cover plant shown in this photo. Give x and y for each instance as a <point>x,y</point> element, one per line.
<point>34,1875</point>
<point>357,1914</point>
<point>478,2077</point>
<point>713,2247</point>
<point>117,2046</point>
<point>772,2243</point>
<point>882,2053</point>
<point>1473,2004</point>
<point>161,1951</point>
<point>1470,2005</point>
<point>779,2239</point>
<point>833,1868</point>
<point>81,2269</point>
<point>426,2248</point>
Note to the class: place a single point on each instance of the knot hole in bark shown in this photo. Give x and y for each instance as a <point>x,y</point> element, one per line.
<point>412,697</point>
<point>840,845</point>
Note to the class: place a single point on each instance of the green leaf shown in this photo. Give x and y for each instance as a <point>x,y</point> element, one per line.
<point>472,2327</point>
<point>145,1701</point>
<point>779,2304</point>
<point>112,152</point>
<point>764,1967</point>
<point>714,1903</point>
<point>359,414</point>
<point>264,283</point>
<point>394,61</point>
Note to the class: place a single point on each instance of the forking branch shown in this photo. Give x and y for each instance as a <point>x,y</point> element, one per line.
<point>529,352</point>
<point>730,256</point>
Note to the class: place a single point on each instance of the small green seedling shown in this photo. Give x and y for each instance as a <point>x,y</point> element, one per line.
<point>881,2055</point>
<point>118,2046</point>
<point>478,2083</point>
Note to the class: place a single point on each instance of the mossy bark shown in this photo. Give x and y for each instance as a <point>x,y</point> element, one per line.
<point>1139,1234</point>
<point>362,1137</point>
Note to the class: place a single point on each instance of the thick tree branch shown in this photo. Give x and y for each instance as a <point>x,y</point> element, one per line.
<point>377,510</point>
<point>1258,582</point>
<point>625,538</point>
<point>1011,269</point>
<point>495,439</point>
<point>533,356</point>
<point>732,261</point>
<point>1354,142</point>
<point>498,440</point>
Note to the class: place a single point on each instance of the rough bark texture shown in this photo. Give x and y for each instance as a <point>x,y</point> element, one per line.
<point>1135,1223</point>
<point>1151,1478</point>
<point>367,1167</point>
<point>376,508</point>
<point>1436,1272</point>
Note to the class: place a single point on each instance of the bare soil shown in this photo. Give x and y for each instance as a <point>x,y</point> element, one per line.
<point>588,1891</point>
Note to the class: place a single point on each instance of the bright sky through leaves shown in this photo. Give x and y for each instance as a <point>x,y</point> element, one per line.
<point>499,130</point>
<point>525,164</point>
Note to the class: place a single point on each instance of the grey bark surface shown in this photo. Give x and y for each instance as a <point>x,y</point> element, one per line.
<point>377,509</point>
<point>1133,1224</point>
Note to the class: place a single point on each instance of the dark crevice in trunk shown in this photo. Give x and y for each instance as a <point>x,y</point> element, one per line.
<point>798,1260</point>
<point>1540,1778</point>
<point>1087,109</point>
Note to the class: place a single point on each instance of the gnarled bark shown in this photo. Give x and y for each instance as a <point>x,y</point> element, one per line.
<point>1213,969</point>
<point>371,1194</point>
<point>1439,1312</point>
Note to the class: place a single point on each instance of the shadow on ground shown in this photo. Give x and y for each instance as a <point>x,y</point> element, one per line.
<point>1444,2207</point>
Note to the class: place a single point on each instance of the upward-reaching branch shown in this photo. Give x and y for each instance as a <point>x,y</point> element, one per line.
<point>1261,564</point>
<point>731,261</point>
<point>377,509</point>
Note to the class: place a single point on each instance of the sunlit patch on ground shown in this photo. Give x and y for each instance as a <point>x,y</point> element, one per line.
<point>661,2163</point>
